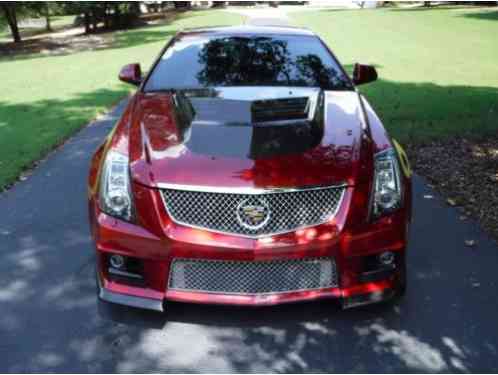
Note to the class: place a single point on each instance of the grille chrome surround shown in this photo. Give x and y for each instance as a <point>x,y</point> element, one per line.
<point>216,209</point>
<point>252,277</point>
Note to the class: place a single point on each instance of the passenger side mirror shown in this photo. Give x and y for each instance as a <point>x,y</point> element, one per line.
<point>131,73</point>
<point>364,74</point>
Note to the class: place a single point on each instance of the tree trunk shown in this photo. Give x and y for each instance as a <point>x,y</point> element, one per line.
<point>10,15</point>
<point>116,16</point>
<point>135,8</point>
<point>86,19</point>
<point>47,17</point>
<point>95,21</point>
<point>107,17</point>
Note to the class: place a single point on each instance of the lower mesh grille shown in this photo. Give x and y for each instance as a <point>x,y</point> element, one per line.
<point>242,277</point>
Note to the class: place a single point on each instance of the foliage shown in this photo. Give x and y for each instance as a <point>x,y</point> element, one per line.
<point>112,15</point>
<point>11,12</point>
<point>248,61</point>
<point>44,9</point>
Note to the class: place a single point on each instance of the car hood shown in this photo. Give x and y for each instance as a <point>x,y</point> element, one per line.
<point>236,137</point>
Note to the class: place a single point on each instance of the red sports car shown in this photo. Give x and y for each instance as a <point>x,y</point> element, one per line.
<point>248,170</point>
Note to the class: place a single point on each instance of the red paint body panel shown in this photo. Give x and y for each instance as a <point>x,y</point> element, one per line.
<point>158,153</point>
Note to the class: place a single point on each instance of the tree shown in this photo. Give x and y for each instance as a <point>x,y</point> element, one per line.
<point>48,27</point>
<point>183,4</point>
<point>43,9</point>
<point>10,9</point>
<point>47,10</point>
<point>113,14</point>
<point>233,61</point>
<point>85,11</point>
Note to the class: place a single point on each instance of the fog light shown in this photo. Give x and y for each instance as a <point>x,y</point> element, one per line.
<point>386,258</point>
<point>117,261</point>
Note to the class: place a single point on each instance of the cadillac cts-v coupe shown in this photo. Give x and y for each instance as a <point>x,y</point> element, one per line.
<point>247,169</point>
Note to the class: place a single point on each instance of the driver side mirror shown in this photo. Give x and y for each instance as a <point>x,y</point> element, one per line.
<point>364,74</point>
<point>131,73</point>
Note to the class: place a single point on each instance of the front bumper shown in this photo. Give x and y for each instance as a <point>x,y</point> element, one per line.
<point>164,241</point>
<point>372,293</point>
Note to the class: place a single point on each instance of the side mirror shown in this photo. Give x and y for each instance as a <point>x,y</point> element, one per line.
<point>131,73</point>
<point>364,74</point>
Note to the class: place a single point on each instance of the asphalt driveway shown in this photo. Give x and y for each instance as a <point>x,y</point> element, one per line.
<point>51,321</point>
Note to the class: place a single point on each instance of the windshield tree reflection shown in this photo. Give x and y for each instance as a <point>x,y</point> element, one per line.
<point>203,61</point>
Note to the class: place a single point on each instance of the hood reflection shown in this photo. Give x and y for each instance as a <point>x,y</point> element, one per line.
<point>217,127</point>
<point>192,146</point>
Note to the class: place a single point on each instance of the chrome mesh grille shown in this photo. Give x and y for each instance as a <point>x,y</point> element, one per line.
<point>246,277</point>
<point>288,211</point>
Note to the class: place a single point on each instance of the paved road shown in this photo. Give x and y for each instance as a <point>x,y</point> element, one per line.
<point>51,321</point>
<point>268,16</point>
<point>263,16</point>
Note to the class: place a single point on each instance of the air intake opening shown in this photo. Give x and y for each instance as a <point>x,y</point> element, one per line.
<point>280,110</point>
<point>252,277</point>
<point>124,269</point>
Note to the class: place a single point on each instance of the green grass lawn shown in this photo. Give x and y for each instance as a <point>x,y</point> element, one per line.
<point>45,99</point>
<point>438,68</point>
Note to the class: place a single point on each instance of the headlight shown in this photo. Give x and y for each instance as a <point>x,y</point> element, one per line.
<point>115,190</point>
<point>387,183</point>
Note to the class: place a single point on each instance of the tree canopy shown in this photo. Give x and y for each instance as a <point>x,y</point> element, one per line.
<point>105,14</point>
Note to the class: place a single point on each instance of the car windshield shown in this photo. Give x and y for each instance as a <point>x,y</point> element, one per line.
<point>200,61</point>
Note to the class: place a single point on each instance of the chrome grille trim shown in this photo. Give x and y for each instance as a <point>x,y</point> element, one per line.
<point>243,189</point>
<point>252,277</point>
<point>214,208</point>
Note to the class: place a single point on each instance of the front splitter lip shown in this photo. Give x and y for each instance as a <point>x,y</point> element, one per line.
<point>365,289</point>
<point>357,295</point>
<point>129,300</point>
<point>252,300</point>
<point>216,299</point>
<point>367,294</point>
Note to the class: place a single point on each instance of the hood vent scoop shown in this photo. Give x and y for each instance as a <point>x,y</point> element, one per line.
<point>280,110</point>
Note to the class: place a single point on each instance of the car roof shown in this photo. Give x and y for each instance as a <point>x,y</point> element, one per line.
<point>249,30</point>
